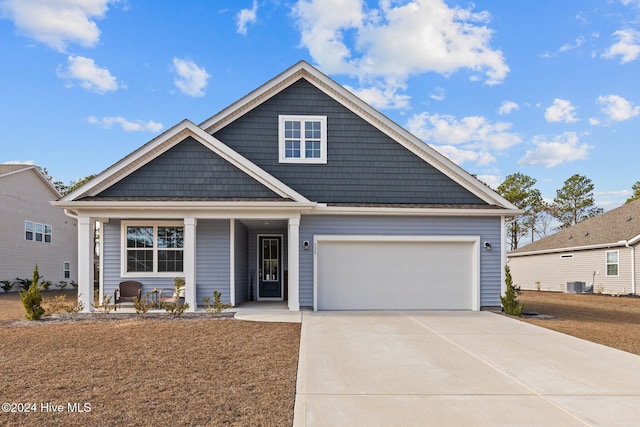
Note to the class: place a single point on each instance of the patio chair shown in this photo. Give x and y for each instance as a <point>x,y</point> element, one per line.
<point>127,292</point>
<point>169,296</point>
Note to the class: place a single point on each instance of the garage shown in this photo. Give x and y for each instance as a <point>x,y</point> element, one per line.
<point>396,273</point>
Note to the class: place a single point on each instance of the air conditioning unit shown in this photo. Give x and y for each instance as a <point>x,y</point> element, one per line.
<point>575,287</point>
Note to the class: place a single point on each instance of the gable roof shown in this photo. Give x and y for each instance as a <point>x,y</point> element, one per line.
<point>10,169</point>
<point>613,228</point>
<point>303,70</point>
<point>163,143</point>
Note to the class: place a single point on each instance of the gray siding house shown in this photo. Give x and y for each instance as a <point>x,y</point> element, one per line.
<point>601,252</point>
<point>300,192</point>
<point>31,230</point>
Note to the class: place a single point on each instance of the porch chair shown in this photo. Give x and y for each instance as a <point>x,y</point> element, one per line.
<point>169,296</point>
<point>127,292</point>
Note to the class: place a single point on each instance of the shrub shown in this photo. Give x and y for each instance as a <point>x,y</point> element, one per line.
<point>143,305</point>
<point>63,284</point>
<point>74,284</point>
<point>176,309</point>
<point>6,285</point>
<point>107,303</point>
<point>24,283</point>
<point>59,304</point>
<point>46,284</point>
<point>509,300</point>
<point>32,299</point>
<point>218,306</point>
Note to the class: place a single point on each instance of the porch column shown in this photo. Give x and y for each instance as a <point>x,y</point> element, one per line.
<point>85,263</point>
<point>294,258</point>
<point>190,263</point>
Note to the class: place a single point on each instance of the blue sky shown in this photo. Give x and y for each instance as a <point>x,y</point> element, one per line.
<point>547,88</point>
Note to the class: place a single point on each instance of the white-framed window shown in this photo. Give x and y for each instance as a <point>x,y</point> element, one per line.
<point>66,270</point>
<point>37,232</point>
<point>152,248</point>
<point>28,230</point>
<point>302,139</point>
<point>612,260</point>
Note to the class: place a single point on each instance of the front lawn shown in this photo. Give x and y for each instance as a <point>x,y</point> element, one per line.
<point>196,370</point>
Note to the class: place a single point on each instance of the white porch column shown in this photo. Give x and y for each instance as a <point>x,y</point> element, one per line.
<point>294,260</point>
<point>190,263</point>
<point>85,263</point>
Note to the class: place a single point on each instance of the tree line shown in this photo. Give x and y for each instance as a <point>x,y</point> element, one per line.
<point>61,186</point>
<point>573,203</point>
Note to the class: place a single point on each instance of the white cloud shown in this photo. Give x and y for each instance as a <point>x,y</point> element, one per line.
<point>90,76</point>
<point>18,162</point>
<point>507,107</point>
<point>560,149</point>
<point>628,46</point>
<point>617,108</point>
<point>438,94</point>
<point>191,79</point>
<point>492,181</point>
<point>594,121</point>
<point>246,16</point>
<point>57,23</point>
<point>561,111</point>
<point>125,125</point>
<point>470,139</point>
<point>382,96</point>
<point>383,47</point>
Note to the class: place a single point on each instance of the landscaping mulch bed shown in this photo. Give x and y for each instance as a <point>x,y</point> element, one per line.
<point>124,370</point>
<point>609,320</point>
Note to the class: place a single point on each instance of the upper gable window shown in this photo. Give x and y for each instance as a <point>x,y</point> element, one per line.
<point>302,139</point>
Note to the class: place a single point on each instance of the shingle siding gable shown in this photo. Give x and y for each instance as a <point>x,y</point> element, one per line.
<point>363,164</point>
<point>189,170</point>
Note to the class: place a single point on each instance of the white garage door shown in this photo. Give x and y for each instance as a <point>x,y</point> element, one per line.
<point>402,274</point>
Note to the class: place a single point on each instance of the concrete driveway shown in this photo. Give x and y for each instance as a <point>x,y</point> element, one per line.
<point>457,368</point>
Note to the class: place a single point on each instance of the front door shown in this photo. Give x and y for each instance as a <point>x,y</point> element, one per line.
<point>270,267</point>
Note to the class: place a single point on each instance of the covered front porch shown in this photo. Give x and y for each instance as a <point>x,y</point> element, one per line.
<point>246,256</point>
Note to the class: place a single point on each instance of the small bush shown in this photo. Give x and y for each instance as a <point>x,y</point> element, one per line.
<point>218,306</point>
<point>177,309</point>
<point>24,283</point>
<point>62,284</point>
<point>74,284</point>
<point>6,285</point>
<point>143,305</point>
<point>46,284</point>
<point>107,303</point>
<point>32,299</point>
<point>509,300</point>
<point>59,304</point>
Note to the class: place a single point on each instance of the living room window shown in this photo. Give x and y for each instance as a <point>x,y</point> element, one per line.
<point>302,139</point>
<point>156,249</point>
<point>38,232</point>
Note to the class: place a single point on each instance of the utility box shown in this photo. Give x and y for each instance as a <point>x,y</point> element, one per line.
<point>575,287</point>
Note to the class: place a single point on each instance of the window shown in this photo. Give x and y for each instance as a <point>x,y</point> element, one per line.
<point>612,263</point>
<point>303,139</point>
<point>28,230</point>
<point>153,248</point>
<point>35,231</point>
<point>66,270</point>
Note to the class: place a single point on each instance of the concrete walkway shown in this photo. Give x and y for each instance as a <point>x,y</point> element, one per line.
<point>457,369</point>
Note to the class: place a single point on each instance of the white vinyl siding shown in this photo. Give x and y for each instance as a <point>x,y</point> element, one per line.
<point>552,271</point>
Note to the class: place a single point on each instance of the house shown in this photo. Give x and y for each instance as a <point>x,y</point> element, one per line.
<point>31,230</point>
<point>600,251</point>
<point>302,192</point>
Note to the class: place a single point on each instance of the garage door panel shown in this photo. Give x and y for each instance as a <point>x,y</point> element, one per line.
<point>359,275</point>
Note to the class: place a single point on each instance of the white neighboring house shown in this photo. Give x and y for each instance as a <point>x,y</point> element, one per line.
<point>601,252</point>
<point>32,231</point>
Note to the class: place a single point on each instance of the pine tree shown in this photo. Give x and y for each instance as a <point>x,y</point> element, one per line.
<point>509,300</point>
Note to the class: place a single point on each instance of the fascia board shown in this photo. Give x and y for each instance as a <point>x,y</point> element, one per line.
<point>363,110</point>
<point>347,210</point>
<point>569,249</point>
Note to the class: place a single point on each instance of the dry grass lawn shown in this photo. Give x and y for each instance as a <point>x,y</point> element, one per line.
<point>195,370</point>
<point>612,321</point>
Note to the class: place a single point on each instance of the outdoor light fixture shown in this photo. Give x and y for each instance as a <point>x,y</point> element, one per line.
<point>305,245</point>
<point>487,246</point>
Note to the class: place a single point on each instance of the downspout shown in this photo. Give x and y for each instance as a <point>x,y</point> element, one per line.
<point>633,266</point>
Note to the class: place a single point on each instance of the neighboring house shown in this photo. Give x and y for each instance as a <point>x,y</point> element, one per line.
<point>601,252</point>
<point>301,192</point>
<point>32,231</point>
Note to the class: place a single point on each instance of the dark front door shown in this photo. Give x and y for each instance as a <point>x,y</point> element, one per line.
<point>270,268</point>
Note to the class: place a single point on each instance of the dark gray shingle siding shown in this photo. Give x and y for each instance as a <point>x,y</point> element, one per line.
<point>363,164</point>
<point>189,170</point>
